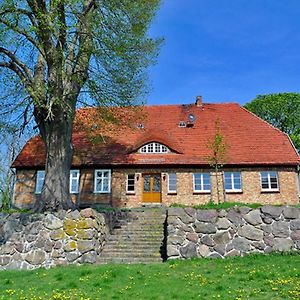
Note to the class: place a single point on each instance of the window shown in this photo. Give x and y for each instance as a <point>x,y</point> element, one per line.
<point>102,181</point>
<point>130,183</point>
<point>269,181</point>
<point>172,183</point>
<point>233,181</point>
<point>40,178</point>
<point>154,148</point>
<point>74,181</point>
<point>201,182</point>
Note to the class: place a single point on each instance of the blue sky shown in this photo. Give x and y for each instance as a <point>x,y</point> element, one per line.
<point>225,50</point>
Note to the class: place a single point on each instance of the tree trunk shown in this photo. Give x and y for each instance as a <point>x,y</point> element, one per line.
<point>59,151</point>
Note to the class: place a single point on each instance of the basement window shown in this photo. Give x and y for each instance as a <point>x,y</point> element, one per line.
<point>269,181</point>
<point>172,183</point>
<point>201,183</point>
<point>102,181</point>
<point>40,178</point>
<point>130,189</point>
<point>74,181</point>
<point>233,182</point>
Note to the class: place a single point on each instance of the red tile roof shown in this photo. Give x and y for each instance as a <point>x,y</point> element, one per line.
<point>250,140</point>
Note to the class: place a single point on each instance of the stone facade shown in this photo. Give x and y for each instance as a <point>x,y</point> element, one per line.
<point>24,195</point>
<point>237,231</point>
<point>29,241</point>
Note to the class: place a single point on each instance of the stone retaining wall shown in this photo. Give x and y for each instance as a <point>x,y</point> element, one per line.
<point>236,231</point>
<point>29,241</point>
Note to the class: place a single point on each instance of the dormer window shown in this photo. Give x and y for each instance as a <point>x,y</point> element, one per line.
<point>154,148</point>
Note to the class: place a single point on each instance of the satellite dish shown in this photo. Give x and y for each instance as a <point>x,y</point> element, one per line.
<point>192,118</point>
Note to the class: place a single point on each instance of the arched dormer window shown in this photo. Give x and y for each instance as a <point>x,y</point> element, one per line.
<point>154,148</point>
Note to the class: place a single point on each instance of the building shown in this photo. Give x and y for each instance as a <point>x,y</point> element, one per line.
<point>161,154</point>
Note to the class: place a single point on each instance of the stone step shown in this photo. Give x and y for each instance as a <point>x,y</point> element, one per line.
<point>129,260</point>
<point>144,248</point>
<point>123,254</point>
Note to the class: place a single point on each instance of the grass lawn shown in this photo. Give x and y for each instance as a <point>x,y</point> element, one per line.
<point>273,277</point>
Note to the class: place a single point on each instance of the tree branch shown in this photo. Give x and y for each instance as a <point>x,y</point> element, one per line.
<point>13,57</point>
<point>19,31</point>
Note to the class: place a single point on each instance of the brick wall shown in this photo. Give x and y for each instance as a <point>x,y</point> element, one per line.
<point>24,195</point>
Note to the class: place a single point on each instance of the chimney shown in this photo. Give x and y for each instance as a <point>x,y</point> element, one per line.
<point>198,101</point>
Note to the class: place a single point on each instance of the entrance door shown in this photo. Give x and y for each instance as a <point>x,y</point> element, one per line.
<point>152,188</point>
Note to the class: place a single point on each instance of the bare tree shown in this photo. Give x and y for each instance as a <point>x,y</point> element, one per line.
<point>217,158</point>
<point>58,54</point>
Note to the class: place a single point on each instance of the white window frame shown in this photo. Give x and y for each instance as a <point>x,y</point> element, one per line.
<point>72,172</point>
<point>127,184</point>
<point>172,181</point>
<point>154,147</point>
<point>99,191</point>
<point>201,190</point>
<point>233,188</point>
<point>39,181</point>
<point>269,189</point>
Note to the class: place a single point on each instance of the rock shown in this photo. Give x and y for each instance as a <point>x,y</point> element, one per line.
<point>19,247</point>
<point>57,234</point>
<point>223,223</point>
<point>268,249</point>
<point>48,245</point>
<point>85,246</point>
<point>253,217</point>
<point>203,251</point>
<point>266,228</point>
<point>232,253</point>
<point>175,239</point>
<point>207,240</point>
<point>222,213</point>
<point>4,260</point>
<point>193,237</point>
<point>40,242</point>
<point>280,229</point>
<point>241,244</point>
<point>291,212</point>
<point>85,234</point>
<point>85,224</point>
<point>89,258</point>
<point>52,222</point>
<point>209,215</point>
<point>57,253</point>
<point>205,228</point>
<point>88,213</point>
<point>251,233</point>
<point>259,245</point>
<point>269,240</point>
<point>70,227</point>
<point>7,248</point>
<point>295,235</point>
<point>70,246</point>
<point>191,212</point>
<point>175,211</point>
<point>172,251</point>
<point>244,210</point>
<point>58,245</point>
<point>281,244</point>
<point>171,229</point>
<point>229,247</point>
<point>185,218</point>
<point>221,237</point>
<point>295,224</point>
<point>72,256</point>
<point>273,212</point>
<point>73,215</point>
<point>235,217</point>
<point>215,255</point>
<point>220,249</point>
<point>189,250</point>
<point>267,220</point>
<point>36,257</point>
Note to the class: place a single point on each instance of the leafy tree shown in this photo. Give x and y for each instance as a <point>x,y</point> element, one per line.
<point>58,54</point>
<point>282,110</point>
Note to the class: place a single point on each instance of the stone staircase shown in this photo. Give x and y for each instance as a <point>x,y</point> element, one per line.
<point>139,238</point>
